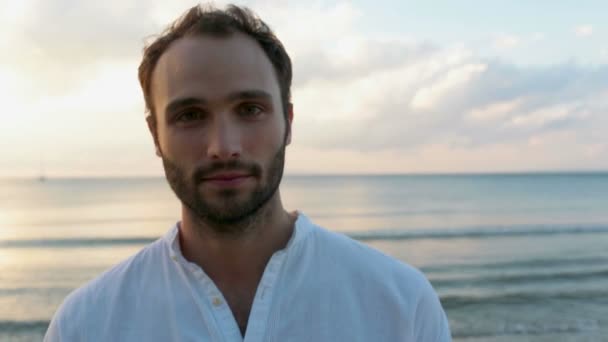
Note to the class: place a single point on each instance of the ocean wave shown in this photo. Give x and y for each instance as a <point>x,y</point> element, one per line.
<point>479,233</point>
<point>582,326</point>
<point>90,221</point>
<point>75,243</point>
<point>459,301</point>
<point>28,291</point>
<point>518,279</point>
<point>519,264</point>
<point>476,233</point>
<point>23,326</point>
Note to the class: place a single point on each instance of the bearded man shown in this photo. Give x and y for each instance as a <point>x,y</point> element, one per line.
<point>238,266</point>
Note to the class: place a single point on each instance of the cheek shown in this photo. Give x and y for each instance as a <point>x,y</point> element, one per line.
<point>263,140</point>
<point>182,145</point>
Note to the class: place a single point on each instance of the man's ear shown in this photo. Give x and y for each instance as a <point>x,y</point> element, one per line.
<point>289,121</point>
<point>153,131</point>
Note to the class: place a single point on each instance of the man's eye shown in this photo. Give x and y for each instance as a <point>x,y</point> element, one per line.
<point>250,111</point>
<point>190,115</point>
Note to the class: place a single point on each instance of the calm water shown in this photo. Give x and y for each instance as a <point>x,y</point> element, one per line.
<point>513,257</point>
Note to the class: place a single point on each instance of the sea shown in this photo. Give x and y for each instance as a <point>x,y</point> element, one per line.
<point>513,257</point>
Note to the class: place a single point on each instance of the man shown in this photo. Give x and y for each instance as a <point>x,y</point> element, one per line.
<point>238,267</point>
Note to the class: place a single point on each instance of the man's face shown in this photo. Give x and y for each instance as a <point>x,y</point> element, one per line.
<point>220,130</point>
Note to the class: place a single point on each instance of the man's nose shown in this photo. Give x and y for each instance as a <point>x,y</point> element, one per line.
<point>224,140</point>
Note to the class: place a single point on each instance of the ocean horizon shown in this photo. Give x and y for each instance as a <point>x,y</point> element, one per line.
<point>541,172</point>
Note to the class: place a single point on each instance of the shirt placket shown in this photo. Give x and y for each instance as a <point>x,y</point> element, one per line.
<point>258,317</point>
<point>221,311</point>
<point>218,307</point>
<point>215,304</point>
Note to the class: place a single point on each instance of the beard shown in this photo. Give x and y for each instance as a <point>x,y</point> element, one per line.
<point>227,214</point>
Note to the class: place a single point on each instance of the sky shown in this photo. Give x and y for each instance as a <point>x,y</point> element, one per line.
<point>392,86</point>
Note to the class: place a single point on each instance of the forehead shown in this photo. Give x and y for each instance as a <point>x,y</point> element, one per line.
<point>211,67</point>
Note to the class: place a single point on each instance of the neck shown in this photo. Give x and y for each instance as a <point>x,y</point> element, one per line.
<point>237,258</point>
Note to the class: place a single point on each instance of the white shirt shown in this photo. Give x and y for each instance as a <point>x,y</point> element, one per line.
<point>323,286</point>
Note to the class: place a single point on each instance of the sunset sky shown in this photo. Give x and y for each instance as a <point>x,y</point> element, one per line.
<point>379,86</point>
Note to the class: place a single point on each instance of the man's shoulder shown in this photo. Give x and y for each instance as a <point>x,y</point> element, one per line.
<point>126,271</point>
<point>355,256</point>
<point>377,280</point>
<point>109,287</point>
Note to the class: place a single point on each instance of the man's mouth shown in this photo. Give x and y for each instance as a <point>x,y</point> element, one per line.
<point>227,179</point>
<point>226,176</point>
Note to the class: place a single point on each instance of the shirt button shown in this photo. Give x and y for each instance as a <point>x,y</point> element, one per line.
<point>217,301</point>
<point>174,257</point>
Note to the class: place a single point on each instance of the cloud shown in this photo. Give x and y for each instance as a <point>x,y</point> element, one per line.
<point>537,36</point>
<point>583,30</point>
<point>362,102</point>
<point>429,96</point>
<point>60,43</point>
<point>550,115</point>
<point>494,111</point>
<point>470,102</point>
<point>507,42</point>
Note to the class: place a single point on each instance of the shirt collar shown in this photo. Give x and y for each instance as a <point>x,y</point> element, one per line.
<point>171,240</point>
<point>301,229</point>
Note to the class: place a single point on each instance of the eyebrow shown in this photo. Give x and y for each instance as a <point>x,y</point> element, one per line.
<point>249,95</point>
<point>175,105</point>
<point>239,95</point>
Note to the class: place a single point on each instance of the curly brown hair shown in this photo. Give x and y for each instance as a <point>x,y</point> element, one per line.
<point>208,20</point>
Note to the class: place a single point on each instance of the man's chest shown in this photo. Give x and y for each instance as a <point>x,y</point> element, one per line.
<point>240,302</point>
<point>200,312</point>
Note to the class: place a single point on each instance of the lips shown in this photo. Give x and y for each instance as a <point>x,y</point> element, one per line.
<point>226,176</point>
<point>227,180</point>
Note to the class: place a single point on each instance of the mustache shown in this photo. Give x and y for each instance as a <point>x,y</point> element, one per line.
<point>231,166</point>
